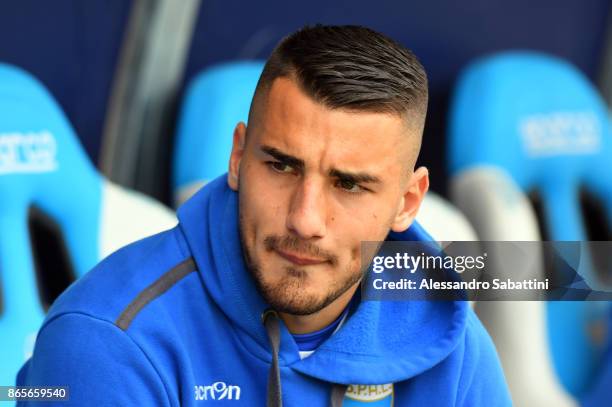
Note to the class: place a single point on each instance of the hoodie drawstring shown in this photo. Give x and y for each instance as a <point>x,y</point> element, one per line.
<point>275,396</point>
<point>337,395</point>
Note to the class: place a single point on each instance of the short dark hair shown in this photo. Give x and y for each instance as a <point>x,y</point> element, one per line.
<point>350,67</point>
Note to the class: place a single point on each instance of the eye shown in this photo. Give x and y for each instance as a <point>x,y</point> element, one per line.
<point>349,186</point>
<point>280,167</point>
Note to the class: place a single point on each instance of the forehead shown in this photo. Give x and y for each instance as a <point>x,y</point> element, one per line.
<point>298,125</point>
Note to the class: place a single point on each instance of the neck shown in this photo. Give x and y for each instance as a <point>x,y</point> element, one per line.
<point>304,324</point>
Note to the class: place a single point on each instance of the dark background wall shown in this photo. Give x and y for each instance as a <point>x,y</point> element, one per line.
<point>72,45</point>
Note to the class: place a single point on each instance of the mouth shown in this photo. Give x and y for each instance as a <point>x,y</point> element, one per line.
<point>299,259</point>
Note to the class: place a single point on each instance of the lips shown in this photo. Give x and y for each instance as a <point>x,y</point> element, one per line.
<point>299,260</point>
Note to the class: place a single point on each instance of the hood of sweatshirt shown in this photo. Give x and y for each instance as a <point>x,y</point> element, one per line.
<point>414,335</point>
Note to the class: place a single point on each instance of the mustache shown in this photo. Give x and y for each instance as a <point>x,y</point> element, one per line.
<point>299,246</point>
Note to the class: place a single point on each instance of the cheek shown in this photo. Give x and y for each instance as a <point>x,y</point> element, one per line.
<point>363,225</point>
<point>261,206</point>
<point>350,232</point>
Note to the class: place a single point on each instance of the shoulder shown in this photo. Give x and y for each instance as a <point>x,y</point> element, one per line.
<point>98,363</point>
<point>482,379</point>
<point>84,340</point>
<point>114,284</point>
<point>477,340</point>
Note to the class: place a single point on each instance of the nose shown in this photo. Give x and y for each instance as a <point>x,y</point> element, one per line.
<point>307,211</point>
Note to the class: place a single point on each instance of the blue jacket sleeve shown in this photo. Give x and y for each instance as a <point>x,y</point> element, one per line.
<point>100,364</point>
<point>482,381</point>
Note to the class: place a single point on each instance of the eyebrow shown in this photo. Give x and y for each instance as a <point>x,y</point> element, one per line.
<point>297,163</point>
<point>284,158</point>
<point>355,177</point>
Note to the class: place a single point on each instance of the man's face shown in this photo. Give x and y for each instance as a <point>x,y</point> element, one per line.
<point>313,184</point>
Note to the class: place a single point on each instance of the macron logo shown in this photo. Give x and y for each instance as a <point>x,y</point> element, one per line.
<point>217,391</point>
<point>27,152</point>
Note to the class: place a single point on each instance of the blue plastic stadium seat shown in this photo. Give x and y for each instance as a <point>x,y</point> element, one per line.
<point>43,166</point>
<point>529,126</point>
<point>216,100</point>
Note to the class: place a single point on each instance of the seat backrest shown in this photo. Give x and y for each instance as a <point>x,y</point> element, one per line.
<point>539,119</point>
<point>534,124</point>
<point>58,215</point>
<point>216,100</point>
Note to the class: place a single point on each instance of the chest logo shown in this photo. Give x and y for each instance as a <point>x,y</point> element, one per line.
<point>374,395</point>
<point>217,391</point>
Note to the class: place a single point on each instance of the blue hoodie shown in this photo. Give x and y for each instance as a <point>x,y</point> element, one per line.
<point>175,319</point>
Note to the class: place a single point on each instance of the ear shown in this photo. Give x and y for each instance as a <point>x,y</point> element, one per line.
<point>238,146</point>
<point>415,191</point>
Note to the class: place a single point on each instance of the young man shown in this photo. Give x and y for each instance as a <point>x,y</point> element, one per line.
<point>253,298</point>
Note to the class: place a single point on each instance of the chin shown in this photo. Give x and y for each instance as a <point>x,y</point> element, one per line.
<point>294,293</point>
<point>297,305</point>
